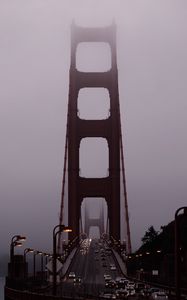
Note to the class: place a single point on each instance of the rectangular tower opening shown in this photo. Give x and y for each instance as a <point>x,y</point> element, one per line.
<point>93,104</point>
<point>94,212</point>
<point>93,57</point>
<point>93,158</point>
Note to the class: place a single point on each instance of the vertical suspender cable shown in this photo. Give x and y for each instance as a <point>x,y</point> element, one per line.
<point>107,225</point>
<point>129,247</point>
<point>63,188</point>
<point>81,225</point>
<point>125,197</point>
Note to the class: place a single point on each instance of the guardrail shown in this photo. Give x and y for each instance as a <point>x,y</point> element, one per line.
<point>11,294</point>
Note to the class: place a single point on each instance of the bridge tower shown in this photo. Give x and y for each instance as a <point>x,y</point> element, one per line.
<point>109,129</point>
<point>80,187</point>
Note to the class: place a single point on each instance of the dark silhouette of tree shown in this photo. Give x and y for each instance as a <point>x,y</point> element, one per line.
<point>165,239</point>
<point>150,235</point>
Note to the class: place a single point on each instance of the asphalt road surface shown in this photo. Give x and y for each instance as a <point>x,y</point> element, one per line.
<point>91,262</point>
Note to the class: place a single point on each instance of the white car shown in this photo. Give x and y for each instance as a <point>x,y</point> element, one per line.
<point>159,296</point>
<point>121,293</point>
<point>107,296</point>
<point>72,275</point>
<point>130,291</point>
<point>131,284</point>
<point>107,277</point>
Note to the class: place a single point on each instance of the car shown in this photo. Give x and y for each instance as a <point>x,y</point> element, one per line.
<point>72,275</point>
<point>139,286</point>
<point>152,290</point>
<point>107,296</point>
<point>130,284</point>
<point>143,293</point>
<point>122,279</point>
<point>77,280</point>
<point>121,283</point>
<point>160,295</point>
<point>130,291</point>
<point>107,277</point>
<point>118,278</point>
<point>113,268</point>
<point>121,294</point>
<point>108,250</point>
<point>110,284</point>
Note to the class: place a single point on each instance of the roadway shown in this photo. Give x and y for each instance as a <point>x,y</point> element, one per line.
<point>90,264</point>
<point>93,260</point>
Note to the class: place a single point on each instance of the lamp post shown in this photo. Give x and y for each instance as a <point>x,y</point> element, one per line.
<point>15,242</point>
<point>42,265</point>
<point>46,261</point>
<point>57,229</point>
<point>46,257</point>
<point>27,250</point>
<point>34,261</point>
<point>177,252</point>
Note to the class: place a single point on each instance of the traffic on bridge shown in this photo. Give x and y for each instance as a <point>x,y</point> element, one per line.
<point>95,272</point>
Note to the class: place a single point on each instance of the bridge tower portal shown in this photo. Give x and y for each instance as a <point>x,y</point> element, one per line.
<point>97,222</point>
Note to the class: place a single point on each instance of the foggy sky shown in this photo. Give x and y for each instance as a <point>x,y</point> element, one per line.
<point>34,77</point>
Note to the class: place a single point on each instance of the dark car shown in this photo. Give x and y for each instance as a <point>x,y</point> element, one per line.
<point>139,286</point>
<point>121,294</point>
<point>110,284</point>
<point>77,280</point>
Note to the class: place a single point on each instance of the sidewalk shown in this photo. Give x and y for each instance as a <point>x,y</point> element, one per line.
<point>120,262</point>
<point>68,262</point>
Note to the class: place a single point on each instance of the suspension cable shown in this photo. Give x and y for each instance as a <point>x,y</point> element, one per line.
<point>129,247</point>
<point>63,188</point>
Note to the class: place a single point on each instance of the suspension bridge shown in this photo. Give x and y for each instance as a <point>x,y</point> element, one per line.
<point>85,268</point>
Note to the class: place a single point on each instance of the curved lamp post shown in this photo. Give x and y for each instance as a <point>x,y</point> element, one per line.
<point>27,250</point>
<point>42,265</point>
<point>57,229</point>
<point>34,261</point>
<point>46,255</point>
<point>177,252</point>
<point>16,241</point>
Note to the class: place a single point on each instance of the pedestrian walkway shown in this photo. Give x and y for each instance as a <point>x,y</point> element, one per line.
<point>120,262</point>
<point>68,262</point>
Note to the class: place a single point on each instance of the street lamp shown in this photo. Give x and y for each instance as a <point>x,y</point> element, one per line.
<point>177,252</point>
<point>34,261</point>
<point>46,257</point>
<point>57,229</point>
<point>42,264</point>
<point>27,250</point>
<point>15,242</point>
<point>46,261</point>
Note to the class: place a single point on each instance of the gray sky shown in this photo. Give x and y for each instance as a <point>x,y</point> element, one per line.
<point>34,74</point>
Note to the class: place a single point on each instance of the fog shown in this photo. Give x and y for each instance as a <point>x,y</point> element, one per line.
<point>34,76</point>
